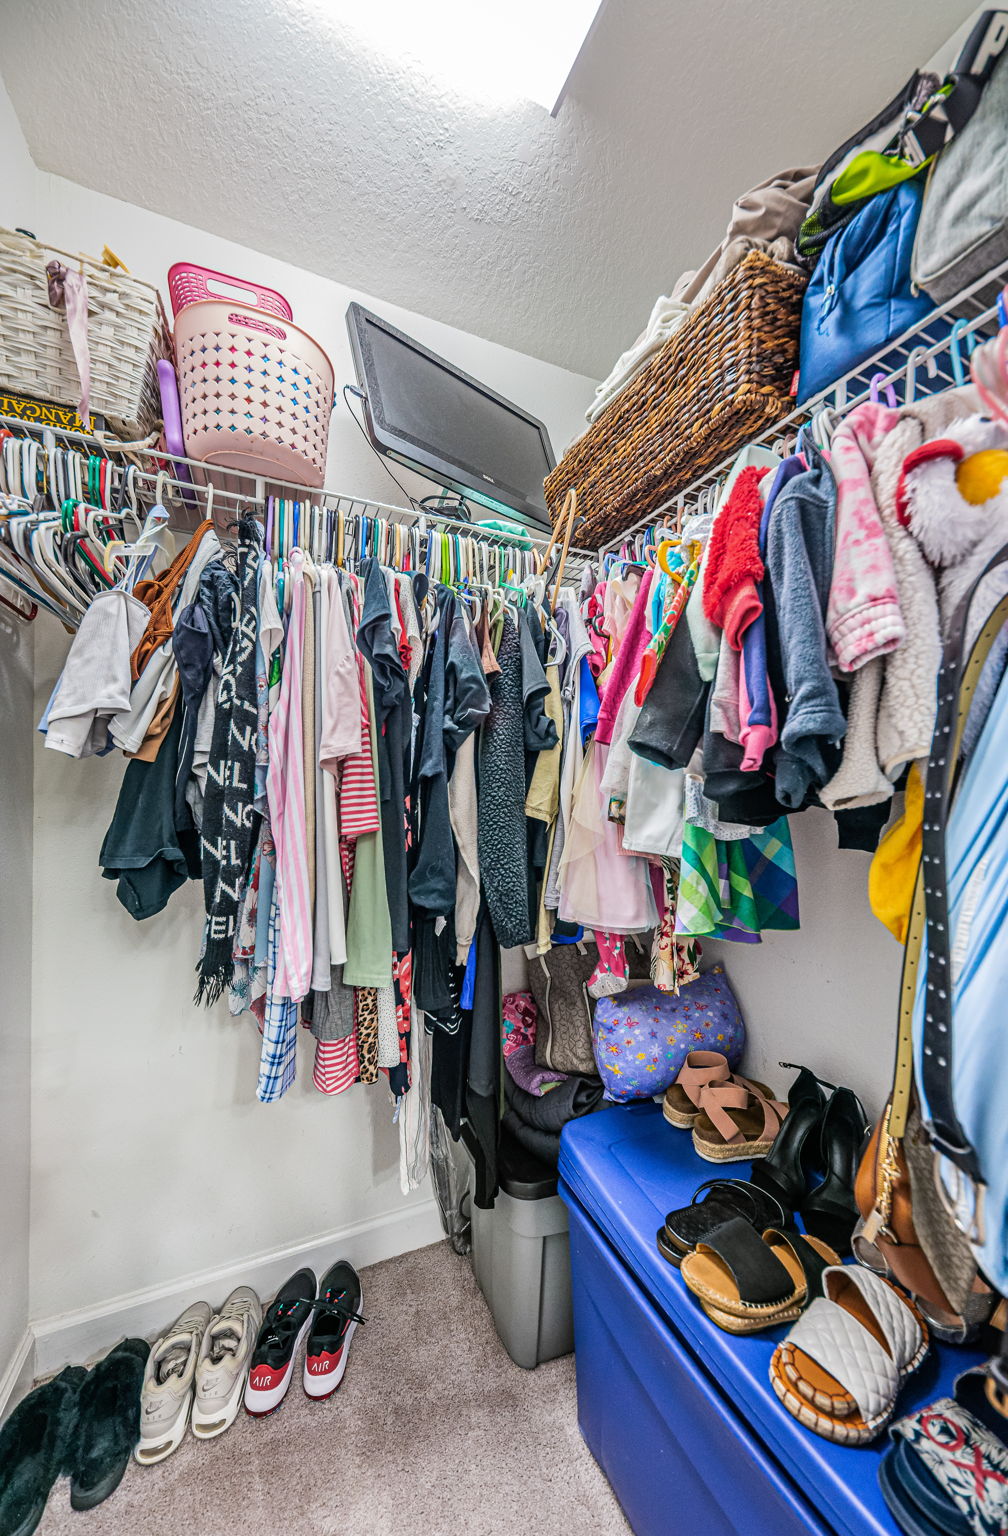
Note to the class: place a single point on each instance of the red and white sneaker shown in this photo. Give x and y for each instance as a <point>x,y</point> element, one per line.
<point>287,1321</point>
<point>337,1313</point>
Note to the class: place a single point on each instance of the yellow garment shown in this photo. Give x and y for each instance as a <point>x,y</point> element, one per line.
<point>543,799</point>
<point>893,871</point>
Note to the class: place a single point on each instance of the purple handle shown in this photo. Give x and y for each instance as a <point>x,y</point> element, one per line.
<point>171,411</point>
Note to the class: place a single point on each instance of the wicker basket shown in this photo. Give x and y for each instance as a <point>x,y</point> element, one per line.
<point>127,333</point>
<point>723,377</point>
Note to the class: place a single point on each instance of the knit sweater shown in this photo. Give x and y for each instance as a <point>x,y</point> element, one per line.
<point>799,560</point>
<point>890,713</point>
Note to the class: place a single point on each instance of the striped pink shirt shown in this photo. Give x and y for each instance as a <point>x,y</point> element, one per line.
<point>285,792</point>
<point>358,812</point>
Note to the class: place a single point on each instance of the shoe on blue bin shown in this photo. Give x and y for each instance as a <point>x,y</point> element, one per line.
<point>929,1475</point>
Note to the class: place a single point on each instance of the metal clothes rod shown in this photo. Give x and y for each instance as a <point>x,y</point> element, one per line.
<point>244,490</point>
<point>930,347</point>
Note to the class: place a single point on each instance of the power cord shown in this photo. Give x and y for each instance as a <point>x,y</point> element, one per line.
<point>352,389</point>
<point>448,506</point>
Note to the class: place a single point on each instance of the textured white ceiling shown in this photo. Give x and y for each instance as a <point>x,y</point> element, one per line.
<point>263,121</point>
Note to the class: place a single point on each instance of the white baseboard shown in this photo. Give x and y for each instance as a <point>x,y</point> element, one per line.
<point>19,1374</point>
<point>77,1337</point>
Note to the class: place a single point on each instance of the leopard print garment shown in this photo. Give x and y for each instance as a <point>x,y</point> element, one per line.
<point>366,1012</point>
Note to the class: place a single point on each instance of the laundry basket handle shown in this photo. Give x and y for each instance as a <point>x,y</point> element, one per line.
<point>189,284</point>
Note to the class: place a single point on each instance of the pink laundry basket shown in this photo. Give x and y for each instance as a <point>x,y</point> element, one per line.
<point>256,391</point>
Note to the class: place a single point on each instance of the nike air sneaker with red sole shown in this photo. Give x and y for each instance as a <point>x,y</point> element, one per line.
<point>286,1323</point>
<point>337,1313</point>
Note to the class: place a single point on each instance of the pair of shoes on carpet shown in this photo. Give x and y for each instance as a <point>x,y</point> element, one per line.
<point>82,1425</point>
<point>196,1374</point>
<point>326,1316</point>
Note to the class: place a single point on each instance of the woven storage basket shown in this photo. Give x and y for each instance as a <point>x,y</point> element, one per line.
<point>723,377</point>
<point>127,333</point>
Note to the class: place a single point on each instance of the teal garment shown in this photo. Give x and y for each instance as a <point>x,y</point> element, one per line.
<point>736,890</point>
<point>148,849</point>
<point>369,925</point>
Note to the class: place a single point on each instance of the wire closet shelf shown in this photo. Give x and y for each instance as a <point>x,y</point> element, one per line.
<point>937,348</point>
<point>182,486</point>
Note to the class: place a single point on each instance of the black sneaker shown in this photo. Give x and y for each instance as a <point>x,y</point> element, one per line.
<point>285,1324</point>
<point>337,1313</point>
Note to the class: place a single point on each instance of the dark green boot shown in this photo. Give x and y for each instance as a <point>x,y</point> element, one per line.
<point>108,1424</point>
<point>33,1448</point>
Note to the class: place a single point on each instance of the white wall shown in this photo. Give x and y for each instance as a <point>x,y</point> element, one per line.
<point>20,182</point>
<point>151,1159</point>
<point>15,987</point>
<point>827,995</point>
<point>17,206</point>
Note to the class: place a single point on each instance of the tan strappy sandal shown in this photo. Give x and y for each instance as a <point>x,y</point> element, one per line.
<point>700,1070</point>
<point>738,1122</point>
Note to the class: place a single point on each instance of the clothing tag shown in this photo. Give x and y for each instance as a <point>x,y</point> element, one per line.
<point>440,924</point>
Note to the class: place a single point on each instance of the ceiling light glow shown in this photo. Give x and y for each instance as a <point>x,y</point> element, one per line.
<point>510,51</point>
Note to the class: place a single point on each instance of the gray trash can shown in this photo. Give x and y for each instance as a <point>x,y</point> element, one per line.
<point>521,1257</point>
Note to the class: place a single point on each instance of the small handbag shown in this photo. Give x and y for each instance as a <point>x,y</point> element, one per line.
<point>643,1035</point>
<point>558,981</point>
<point>883,1195</point>
<point>963,229</point>
<point>860,296</point>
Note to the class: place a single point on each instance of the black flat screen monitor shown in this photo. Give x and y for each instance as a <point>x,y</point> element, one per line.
<point>435,419</point>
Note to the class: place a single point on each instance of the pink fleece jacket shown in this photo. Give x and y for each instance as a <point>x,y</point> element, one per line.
<point>863,617</point>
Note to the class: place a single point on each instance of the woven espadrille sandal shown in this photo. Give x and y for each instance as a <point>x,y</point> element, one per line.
<point>840,1369</point>
<point>746,1282</point>
<point>737,1122</point>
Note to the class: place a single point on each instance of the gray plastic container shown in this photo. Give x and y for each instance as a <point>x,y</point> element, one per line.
<point>521,1259</point>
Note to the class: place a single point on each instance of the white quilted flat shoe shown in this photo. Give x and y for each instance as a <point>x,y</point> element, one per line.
<point>840,1369</point>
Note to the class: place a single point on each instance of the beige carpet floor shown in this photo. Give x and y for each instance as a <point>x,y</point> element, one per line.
<point>434,1432</point>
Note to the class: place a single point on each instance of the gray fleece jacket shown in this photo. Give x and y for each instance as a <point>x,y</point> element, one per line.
<point>799,564</point>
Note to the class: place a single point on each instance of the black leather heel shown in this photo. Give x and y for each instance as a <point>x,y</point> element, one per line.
<point>829,1212</point>
<point>783,1173</point>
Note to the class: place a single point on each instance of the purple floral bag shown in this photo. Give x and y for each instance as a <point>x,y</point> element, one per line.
<point>642,1036</point>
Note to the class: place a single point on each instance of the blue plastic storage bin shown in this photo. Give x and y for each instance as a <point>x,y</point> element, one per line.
<point>681,1416</point>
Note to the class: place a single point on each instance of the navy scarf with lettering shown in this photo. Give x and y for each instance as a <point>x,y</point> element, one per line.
<point>229,815</point>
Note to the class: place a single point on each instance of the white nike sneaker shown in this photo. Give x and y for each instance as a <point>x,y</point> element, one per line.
<point>224,1363</point>
<point>168,1385</point>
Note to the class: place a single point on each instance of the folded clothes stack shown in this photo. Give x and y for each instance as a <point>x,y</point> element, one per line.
<point>536,1122</point>
<point>539,1101</point>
